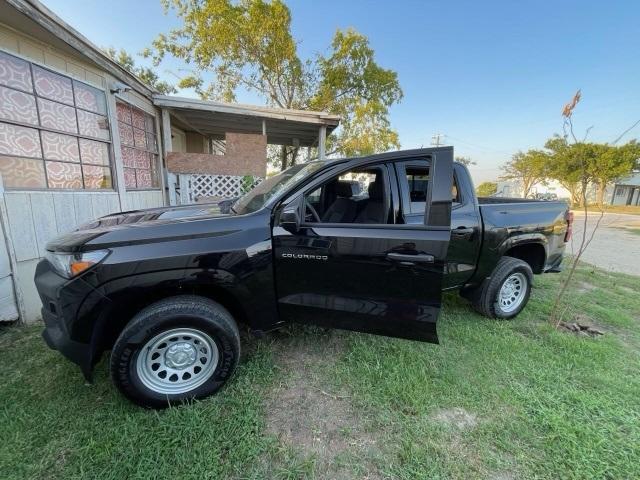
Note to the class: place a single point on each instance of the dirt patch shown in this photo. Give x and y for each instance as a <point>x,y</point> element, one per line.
<point>582,325</point>
<point>456,417</point>
<point>305,413</point>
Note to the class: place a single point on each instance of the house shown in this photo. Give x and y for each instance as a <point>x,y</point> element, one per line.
<point>627,191</point>
<point>80,137</point>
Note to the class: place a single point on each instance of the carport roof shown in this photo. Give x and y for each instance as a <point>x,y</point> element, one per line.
<point>633,180</point>
<point>282,126</point>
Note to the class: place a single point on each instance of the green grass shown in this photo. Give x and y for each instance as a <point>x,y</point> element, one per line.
<point>544,403</point>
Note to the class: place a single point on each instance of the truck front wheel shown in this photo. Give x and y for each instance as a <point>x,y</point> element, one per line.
<point>506,292</point>
<point>177,349</point>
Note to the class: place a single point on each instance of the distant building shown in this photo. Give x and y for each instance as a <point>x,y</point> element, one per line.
<point>627,191</point>
<point>542,190</point>
<point>513,188</point>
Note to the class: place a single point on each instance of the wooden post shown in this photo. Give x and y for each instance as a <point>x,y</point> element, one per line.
<point>322,139</point>
<point>167,147</point>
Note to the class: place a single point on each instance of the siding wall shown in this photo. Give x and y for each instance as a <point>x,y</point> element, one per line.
<point>31,218</point>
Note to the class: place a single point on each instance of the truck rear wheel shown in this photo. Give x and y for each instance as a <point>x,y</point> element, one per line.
<point>177,349</point>
<point>506,292</point>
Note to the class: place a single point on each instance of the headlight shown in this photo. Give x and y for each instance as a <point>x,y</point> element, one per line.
<point>71,264</point>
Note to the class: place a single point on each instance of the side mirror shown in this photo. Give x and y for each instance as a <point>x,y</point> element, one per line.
<point>290,218</point>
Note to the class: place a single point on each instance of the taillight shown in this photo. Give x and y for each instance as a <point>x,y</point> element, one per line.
<point>567,236</point>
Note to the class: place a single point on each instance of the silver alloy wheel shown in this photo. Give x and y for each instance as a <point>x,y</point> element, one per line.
<point>177,361</point>
<point>512,292</point>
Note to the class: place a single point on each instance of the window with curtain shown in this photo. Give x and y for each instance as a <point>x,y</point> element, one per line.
<point>54,131</point>
<point>139,145</point>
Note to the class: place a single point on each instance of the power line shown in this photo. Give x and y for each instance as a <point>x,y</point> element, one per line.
<point>436,139</point>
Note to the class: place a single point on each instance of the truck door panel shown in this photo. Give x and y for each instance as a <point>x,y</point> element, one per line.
<point>464,245</point>
<point>378,278</point>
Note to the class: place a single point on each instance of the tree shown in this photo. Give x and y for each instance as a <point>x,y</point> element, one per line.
<point>564,166</point>
<point>613,163</point>
<point>147,75</point>
<point>248,44</point>
<point>486,189</point>
<point>465,161</point>
<point>527,168</point>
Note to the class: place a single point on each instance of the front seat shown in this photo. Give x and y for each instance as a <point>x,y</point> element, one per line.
<point>343,209</point>
<point>374,211</point>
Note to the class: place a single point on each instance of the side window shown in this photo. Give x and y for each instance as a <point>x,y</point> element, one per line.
<point>455,192</point>
<point>417,181</point>
<point>359,196</point>
<point>414,191</point>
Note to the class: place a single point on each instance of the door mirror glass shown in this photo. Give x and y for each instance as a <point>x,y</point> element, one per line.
<point>290,218</point>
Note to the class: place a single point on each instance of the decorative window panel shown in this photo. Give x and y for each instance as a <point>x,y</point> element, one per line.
<point>15,73</point>
<point>139,138</point>
<point>57,116</point>
<point>52,86</point>
<point>64,175</point>
<point>22,172</point>
<point>96,177</point>
<point>19,141</point>
<point>89,98</point>
<point>92,125</point>
<point>18,106</point>
<point>139,147</point>
<point>96,153</point>
<point>60,147</point>
<point>69,144</point>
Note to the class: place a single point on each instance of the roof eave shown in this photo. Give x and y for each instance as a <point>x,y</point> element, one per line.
<point>67,34</point>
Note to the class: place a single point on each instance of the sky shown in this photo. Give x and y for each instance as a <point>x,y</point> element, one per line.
<point>490,76</point>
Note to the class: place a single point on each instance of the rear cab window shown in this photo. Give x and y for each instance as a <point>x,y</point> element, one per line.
<point>413,178</point>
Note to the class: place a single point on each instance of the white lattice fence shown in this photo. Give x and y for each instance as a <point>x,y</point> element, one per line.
<point>219,186</point>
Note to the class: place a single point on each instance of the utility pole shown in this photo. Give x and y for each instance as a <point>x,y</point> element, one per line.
<point>436,139</point>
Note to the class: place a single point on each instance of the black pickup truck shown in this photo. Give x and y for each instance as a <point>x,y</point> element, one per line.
<point>366,244</point>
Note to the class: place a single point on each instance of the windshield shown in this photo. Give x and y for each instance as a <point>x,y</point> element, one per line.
<point>269,187</point>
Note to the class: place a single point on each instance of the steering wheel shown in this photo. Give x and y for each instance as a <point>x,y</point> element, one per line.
<point>308,205</point>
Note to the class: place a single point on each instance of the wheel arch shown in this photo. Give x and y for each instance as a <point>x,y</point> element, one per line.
<point>126,297</point>
<point>533,253</point>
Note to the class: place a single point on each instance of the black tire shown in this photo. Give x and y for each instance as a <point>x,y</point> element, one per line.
<point>198,314</point>
<point>485,299</point>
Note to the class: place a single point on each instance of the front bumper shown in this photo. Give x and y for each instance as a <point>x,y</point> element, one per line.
<point>57,339</point>
<point>70,315</point>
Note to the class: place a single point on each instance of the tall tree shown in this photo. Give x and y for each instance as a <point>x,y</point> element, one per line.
<point>147,75</point>
<point>527,168</point>
<point>565,166</point>
<point>248,44</point>
<point>465,161</point>
<point>611,164</point>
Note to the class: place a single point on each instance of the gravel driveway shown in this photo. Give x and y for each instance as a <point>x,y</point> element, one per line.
<point>614,246</point>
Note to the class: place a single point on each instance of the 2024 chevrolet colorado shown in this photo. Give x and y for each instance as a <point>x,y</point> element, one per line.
<point>364,244</point>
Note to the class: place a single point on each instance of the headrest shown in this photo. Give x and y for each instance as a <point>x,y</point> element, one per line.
<point>344,189</point>
<point>376,189</point>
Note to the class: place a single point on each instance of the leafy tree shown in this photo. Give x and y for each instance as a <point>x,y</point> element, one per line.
<point>527,168</point>
<point>465,161</point>
<point>613,163</point>
<point>248,44</point>
<point>486,189</point>
<point>565,166</point>
<point>147,75</point>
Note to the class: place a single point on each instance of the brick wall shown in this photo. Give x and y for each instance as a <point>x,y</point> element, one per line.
<point>246,154</point>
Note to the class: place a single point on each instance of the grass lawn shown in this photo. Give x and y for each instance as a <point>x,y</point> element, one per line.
<point>499,400</point>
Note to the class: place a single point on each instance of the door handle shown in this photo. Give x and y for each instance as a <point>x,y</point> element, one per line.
<point>462,231</point>
<point>407,259</point>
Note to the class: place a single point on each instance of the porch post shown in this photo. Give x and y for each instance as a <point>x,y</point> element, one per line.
<point>167,146</point>
<point>322,138</point>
